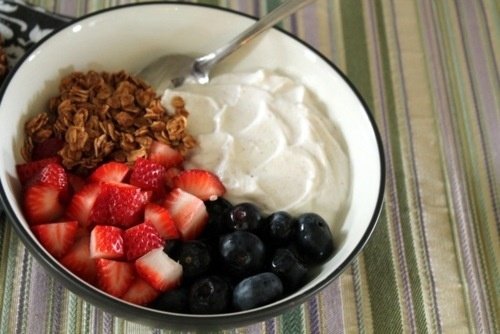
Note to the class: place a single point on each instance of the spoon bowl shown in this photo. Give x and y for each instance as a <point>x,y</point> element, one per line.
<point>174,70</point>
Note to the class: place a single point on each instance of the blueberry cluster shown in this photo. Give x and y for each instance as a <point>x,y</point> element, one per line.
<point>244,260</point>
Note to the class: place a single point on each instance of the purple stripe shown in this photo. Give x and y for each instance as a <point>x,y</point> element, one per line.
<point>483,91</point>
<point>392,191</point>
<point>311,27</point>
<point>58,295</point>
<point>457,181</point>
<point>40,293</point>
<point>107,322</point>
<point>245,6</point>
<point>418,192</point>
<point>313,315</point>
<point>256,8</point>
<point>331,312</point>
<point>270,326</point>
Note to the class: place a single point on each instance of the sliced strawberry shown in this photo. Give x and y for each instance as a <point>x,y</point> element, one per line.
<point>27,170</point>
<point>201,183</point>
<point>159,270</point>
<point>76,183</point>
<point>49,148</point>
<point>41,204</point>
<point>78,260</point>
<point>110,172</point>
<point>188,212</point>
<point>140,239</point>
<point>164,155</point>
<point>53,174</point>
<point>82,202</point>
<point>57,238</point>
<point>114,277</point>
<point>149,175</point>
<point>160,218</point>
<point>170,176</point>
<point>118,204</point>
<point>106,242</point>
<point>140,293</point>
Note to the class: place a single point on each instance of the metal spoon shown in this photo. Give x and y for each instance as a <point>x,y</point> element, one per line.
<point>174,70</point>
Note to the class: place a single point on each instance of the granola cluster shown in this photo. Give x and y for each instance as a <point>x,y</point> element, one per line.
<point>103,116</point>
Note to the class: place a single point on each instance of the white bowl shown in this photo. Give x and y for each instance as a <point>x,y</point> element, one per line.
<point>131,36</point>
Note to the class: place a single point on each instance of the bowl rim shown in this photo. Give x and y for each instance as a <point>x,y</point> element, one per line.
<point>184,320</point>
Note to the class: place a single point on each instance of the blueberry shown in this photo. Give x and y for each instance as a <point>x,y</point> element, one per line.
<point>217,211</point>
<point>244,217</point>
<point>172,248</point>
<point>175,300</point>
<point>195,258</point>
<point>209,295</point>
<point>288,268</point>
<point>279,227</point>
<point>313,238</point>
<point>242,253</point>
<point>257,290</point>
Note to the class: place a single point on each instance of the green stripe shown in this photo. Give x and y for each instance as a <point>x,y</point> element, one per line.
<point>72,319</point>
<point>10,248</point>
<point>293,321</point>
<point>378,256</point>
<point>272,4</point>
<point>209,2</point>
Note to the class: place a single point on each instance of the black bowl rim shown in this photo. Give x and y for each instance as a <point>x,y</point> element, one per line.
<point>163,319</point>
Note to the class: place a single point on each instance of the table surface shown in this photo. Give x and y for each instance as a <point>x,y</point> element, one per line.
<point>429,72</point>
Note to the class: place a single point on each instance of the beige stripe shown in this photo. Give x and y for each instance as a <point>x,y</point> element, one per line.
<point>349,301</point>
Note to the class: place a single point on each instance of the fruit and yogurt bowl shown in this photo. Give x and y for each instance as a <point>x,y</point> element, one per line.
<point>158,217</point>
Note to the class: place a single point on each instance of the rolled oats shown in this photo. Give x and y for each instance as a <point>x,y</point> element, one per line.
<point>102,116</point>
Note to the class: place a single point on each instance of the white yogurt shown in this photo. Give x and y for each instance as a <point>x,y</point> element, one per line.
<point>264,135</point>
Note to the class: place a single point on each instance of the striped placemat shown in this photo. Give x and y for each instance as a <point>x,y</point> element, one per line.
<point>429,72</point>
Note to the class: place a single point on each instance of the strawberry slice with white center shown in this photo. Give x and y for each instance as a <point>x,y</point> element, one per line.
<point>53,174</point>
<point>140,239</point>
<point>201,183</point>
<point>159,270</point>
<point>41,204</point>
<point>140,293</point>
<point>82,203</point>
<point>164,155</point>
<point>188,212</point>
<point>110,172</point>
<point>57,238</point>
<point>78,260</point>
<point>28,170</point>
<point>118,204</point>
<point>160,218</point>
<point>106,242</point>
<point>149,175</point>
<point>114,277</point>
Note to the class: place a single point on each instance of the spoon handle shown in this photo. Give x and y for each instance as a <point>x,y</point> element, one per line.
<point>205,63</point>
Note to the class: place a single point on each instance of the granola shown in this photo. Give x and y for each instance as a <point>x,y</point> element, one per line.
<point>103,116</point>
